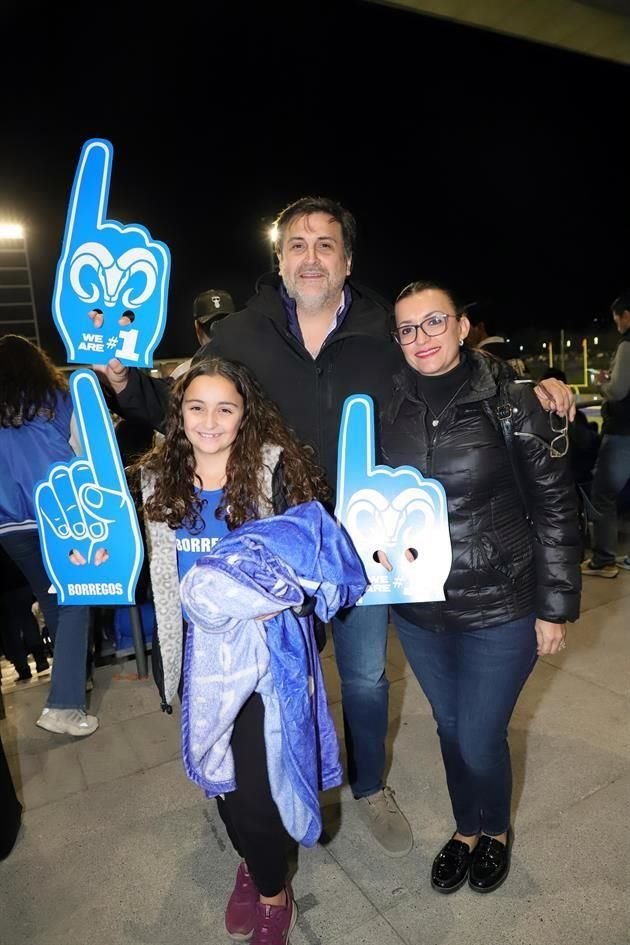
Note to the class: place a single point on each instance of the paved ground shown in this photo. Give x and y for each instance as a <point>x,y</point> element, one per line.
<point>119,848</point>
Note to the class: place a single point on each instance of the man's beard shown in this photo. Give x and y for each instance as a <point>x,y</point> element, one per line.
<point>311,302</point>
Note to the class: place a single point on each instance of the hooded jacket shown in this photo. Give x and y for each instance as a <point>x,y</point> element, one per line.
<point>504,566</point>
<point>358,357</point>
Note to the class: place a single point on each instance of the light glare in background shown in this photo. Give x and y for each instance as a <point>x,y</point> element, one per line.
<point>11,231</point>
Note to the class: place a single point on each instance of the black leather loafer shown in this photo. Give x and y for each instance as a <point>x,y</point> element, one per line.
<point>450,867</point>
<point>490,863</point>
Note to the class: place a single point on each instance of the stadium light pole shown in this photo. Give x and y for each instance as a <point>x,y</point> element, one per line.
<point>13,243</point>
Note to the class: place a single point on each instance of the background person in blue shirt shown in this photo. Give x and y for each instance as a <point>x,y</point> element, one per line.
<point>35,414</point>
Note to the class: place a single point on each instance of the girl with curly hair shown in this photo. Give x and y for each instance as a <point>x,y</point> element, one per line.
<point>35,432</point>
<point>227,457</point>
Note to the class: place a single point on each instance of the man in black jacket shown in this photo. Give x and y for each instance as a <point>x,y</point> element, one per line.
<point>312,337</point>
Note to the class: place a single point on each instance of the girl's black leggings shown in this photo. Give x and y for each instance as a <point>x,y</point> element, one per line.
<point>250,814</point>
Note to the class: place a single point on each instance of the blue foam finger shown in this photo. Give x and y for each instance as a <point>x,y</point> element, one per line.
<point>108,266</point>
<point>392,510</point>
<point>109,513</point>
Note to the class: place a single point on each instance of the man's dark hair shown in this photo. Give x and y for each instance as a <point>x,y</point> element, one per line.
<point>476,313</point>
<point>307,205</point>
<point>621,303</point>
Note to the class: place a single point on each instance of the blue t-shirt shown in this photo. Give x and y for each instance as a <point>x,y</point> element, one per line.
<point>192,547</point>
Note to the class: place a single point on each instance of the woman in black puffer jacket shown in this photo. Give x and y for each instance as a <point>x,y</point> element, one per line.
<point>515,577</point>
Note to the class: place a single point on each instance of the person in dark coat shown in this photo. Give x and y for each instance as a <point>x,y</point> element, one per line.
<point>514,581</point>
<point>19,630</point>
<point>10,807</point>
<point>313,336</point>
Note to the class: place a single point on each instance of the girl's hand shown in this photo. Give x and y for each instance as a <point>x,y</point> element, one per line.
<point>551,637</point>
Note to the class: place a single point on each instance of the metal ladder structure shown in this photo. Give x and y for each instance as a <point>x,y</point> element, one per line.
<point>18,314</point>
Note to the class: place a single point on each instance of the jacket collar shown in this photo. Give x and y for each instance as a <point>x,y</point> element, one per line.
<point>486,371</point>
<point>367,314</point>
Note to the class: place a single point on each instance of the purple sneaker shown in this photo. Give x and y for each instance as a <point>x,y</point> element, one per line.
<point>240,915</point>
<point>274,924</point>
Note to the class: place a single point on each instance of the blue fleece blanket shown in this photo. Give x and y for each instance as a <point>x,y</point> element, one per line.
<point>258,569</point>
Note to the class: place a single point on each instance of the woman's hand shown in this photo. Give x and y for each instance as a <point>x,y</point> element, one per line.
<point>556,396</point>
<point>551,637</point>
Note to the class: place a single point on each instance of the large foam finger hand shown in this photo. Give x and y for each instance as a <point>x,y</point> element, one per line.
<point>390,511</point>
<point>104,265</point>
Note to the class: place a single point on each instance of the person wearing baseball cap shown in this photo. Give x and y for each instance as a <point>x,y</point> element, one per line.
<point>209,307</point>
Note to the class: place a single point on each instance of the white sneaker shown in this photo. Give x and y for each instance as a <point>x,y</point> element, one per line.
<point>624,563</point>
<point>67,722</point>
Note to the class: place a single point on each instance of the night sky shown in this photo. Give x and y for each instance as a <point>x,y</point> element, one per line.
<point>494,164</point>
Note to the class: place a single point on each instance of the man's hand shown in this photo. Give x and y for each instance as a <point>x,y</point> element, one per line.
<point>115,373</point>
<point>556,396</point>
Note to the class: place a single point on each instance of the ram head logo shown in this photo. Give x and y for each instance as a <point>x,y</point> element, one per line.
<point>95,275</point>
<point>378,524</point>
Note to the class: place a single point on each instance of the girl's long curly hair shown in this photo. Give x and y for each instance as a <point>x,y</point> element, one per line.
<point>175,500</point>
<point>29,382</point>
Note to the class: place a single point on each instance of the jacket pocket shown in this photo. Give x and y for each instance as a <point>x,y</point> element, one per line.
<point>488,559</point>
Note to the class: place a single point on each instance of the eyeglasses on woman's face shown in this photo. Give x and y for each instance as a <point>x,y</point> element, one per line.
<point>434,324</point>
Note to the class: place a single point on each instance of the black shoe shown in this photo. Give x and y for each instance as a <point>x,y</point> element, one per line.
<point>450,867</point>
<point>24,675</point>
<point>490,863</point>
<point>40,654</point>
